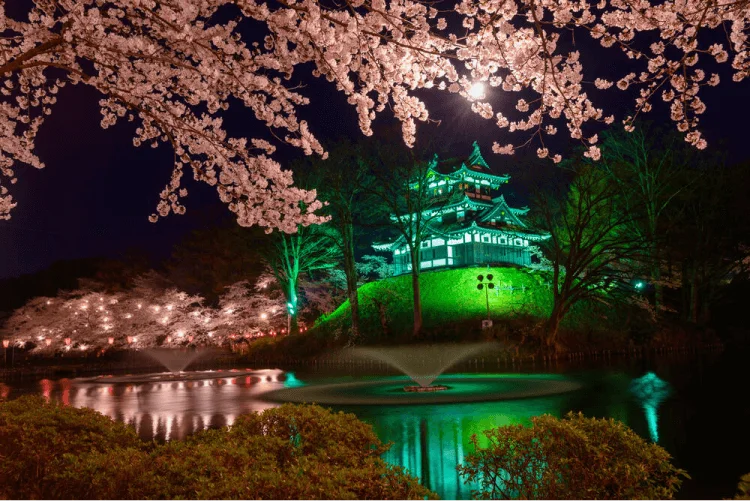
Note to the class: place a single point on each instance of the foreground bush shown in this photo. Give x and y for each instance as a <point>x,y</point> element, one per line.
<point>570,458</point>
<point>743,488</point>
<point>292,452</point>
<point>35,436</point>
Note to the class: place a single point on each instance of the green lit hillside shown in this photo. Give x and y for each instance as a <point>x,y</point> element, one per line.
<point>449,297</point>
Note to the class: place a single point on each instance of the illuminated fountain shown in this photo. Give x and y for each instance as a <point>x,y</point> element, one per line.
<point>424,365</point>
<point>175,360</point>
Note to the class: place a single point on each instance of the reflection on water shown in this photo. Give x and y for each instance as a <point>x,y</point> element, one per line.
<point>430,440</point>
<point>172,409</point>
<point>651,391</point>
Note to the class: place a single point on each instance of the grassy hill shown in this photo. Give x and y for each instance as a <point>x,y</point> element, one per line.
<point>450,300</point>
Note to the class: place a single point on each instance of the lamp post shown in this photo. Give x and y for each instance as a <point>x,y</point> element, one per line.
<point>486,324</point>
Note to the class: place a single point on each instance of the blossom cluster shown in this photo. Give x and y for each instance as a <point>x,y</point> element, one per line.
<point>175,66</point>
<point>148,315</point>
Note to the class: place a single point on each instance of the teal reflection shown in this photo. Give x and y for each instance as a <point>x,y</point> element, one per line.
<point>651,391</point>
<point>431,440</point>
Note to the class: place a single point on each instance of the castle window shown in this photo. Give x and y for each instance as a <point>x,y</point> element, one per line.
<point>467,238</point>
<point>425,244</point>
<point>518,241</point>
<point>437,242</point>
<point>486,238</point>
<point>525,243</point>
<point>450,251</point>
<point>476,237</point>
<point>502,241</point>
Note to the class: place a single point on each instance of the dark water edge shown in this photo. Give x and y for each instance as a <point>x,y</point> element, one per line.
<point>703,423</point>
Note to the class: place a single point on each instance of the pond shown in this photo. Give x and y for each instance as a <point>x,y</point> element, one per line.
<point>703,422</point>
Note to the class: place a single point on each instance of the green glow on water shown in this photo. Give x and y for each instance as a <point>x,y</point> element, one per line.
<point>650,391</point>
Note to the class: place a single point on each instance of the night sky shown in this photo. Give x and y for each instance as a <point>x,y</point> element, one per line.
<point>97,191</point>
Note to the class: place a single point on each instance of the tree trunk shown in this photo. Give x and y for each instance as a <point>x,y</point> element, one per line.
<point>293,324</point>
<point>553,324</point>
<point>656,278</point>
<point>415,262</point>
<point>694,294</point>
<point>350,269</point>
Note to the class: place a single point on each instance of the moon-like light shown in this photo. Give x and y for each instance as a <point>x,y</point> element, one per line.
<point>477,90</point>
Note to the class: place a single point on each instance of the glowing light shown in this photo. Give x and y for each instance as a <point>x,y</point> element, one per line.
<point>128,315</point>
<point>111,340</point>
<point>181,333</point>
<point>101,308</point>
<point>49,302</point>
<point>476,91</point>
<point>169,307</point>
<point>139,306</point>
<point>6,343</point>
<point>67,341</point>
<point>48,342</point>
<point>83,347</point>
<point>264,316</point>
<point>639,284</point>
<point>229,311</point>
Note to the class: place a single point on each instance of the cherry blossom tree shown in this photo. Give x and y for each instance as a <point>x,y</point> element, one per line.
<point>150,314</point>
<point>175,66</point>
<point>251,310</point>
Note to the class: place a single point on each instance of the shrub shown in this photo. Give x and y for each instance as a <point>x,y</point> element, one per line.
<point>743,488</point>
<point>570,458</point>
<point>35,435</point>
<point>292,452</point>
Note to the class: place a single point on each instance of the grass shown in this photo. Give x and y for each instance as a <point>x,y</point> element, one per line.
<point>449,298</point>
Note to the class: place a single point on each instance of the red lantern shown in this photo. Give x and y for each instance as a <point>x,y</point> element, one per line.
<point>111,340</point>
<point>6,343</point>
<point>168,340</point>
<point>48,341</point>
<point>130,339</point>
<point>67,341</point>
<point>190,339</point>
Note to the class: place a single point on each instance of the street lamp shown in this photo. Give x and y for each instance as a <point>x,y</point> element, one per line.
<point>486,286</point>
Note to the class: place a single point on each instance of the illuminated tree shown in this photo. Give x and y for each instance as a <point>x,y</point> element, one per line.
<point>343,183</point>
<point>407,205</point>
<point>175,66</point>
<point>246,309</point>
<point>650,168</point>
<point>591,249</point>
<point>150,314</point>
<point>289,256</point>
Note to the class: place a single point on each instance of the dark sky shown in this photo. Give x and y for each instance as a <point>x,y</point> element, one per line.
<point>95,195</point>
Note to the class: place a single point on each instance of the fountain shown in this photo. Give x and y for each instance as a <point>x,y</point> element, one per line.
<point>424,365</point>
<point>175,360</point>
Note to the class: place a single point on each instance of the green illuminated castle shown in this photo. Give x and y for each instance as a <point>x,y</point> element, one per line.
<point>468,221</point>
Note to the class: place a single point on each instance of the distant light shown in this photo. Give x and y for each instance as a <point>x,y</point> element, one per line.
<point>639,284</point>
<point>476,91</point>
<point>264,316</point>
